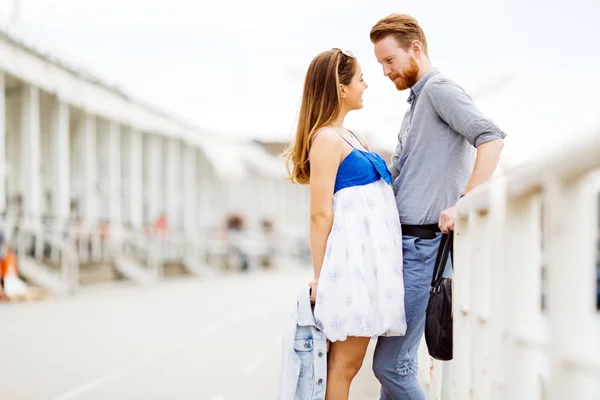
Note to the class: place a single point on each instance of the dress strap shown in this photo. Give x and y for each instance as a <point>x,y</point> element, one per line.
<point>314,137</point>
<point>351,145</point>
<point>356,137</point>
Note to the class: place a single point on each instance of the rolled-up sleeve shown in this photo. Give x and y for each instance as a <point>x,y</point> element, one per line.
<point>455,107</point>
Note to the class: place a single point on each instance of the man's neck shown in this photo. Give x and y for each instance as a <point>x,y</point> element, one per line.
<point>424,69</point>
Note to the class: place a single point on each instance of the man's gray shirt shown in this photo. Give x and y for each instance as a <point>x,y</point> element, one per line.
<point>436,148</point>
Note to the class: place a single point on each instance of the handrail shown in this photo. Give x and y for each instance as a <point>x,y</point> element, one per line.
<point>524,298</point>
<point>31,240</point>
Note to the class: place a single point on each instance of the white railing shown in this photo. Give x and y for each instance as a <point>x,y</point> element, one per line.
<point>279,250</point>
<point>525,319</point>
<point>179,248</point>
<point>91,246</point>
<point>142,249</point>
<point>54,251</point>
<point>32,241</point>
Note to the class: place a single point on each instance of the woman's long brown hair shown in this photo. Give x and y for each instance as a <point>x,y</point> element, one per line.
<point>321,104</point>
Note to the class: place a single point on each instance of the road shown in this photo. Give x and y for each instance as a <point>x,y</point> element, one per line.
<point>216,338</point>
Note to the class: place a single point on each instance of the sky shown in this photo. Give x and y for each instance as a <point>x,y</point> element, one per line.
<point>236,67</point>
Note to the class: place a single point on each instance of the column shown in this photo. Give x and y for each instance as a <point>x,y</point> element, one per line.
<point>203,193</point>
<point>153,162</point>
<point>60,163</point>
<point>30,151</point>
<point>190,195</point>
<point>135,179</point>
<point>172,182</point>
<point>89,163</point>
<point>3,187</point>
<point>113,157</point>
<point>2,143</point>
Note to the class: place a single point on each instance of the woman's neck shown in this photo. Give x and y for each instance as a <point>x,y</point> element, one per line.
<point>339,121</point>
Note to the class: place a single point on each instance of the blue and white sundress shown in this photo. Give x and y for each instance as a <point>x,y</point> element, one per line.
<point>361,285</point>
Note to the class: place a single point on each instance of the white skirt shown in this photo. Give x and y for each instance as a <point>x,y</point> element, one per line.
<point>361,286</point>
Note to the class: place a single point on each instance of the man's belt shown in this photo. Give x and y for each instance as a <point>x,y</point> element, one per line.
<point>422,231</point>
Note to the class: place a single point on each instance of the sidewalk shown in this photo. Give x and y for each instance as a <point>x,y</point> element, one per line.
<point>213,339</point>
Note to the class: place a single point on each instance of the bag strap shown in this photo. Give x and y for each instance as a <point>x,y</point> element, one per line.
<point>445,249</point>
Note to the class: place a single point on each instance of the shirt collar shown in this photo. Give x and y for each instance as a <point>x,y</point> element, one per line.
<point>416,90</point>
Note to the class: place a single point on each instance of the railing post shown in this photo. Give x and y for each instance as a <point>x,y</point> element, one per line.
<point>39,241</point>
<point>571,280</point>
<point>480,287</point>
<point>447,380</point>
<point>96,241</point>
<point>20,242</point>
<point>523,295</point>
<point>75,273</point>
<point>497,301</point>
<point>69,274</point>
<point>461,308</point>
<point>435,377</point>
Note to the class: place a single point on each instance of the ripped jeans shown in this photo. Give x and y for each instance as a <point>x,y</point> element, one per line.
<point>395,360</point>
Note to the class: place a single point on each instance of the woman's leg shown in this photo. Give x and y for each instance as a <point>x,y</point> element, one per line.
<point>345,360</point>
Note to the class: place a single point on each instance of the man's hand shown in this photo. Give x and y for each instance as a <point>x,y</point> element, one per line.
<point>447,219</point>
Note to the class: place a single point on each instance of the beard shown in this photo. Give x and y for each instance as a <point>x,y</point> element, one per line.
<point>408,77</point>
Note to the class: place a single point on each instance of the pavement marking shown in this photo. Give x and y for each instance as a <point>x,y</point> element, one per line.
<point>163,351</point>
<point>119,372</point>
<point>132,366</point>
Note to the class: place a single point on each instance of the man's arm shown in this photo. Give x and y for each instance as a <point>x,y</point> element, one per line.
<point>456,108</point>
<point>398,151</point>
<point>395,159</point>
<point>488,156</point>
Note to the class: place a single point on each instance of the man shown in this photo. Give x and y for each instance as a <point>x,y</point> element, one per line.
<point>432,168</point>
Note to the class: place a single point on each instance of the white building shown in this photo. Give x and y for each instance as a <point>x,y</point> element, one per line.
<point>75,149</point>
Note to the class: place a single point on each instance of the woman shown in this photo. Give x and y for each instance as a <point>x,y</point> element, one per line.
<point>355,235</point>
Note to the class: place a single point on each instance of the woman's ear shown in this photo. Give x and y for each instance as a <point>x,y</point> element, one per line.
<point>343,90</point>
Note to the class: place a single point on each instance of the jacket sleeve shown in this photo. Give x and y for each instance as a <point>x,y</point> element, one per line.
<point>290,362</point>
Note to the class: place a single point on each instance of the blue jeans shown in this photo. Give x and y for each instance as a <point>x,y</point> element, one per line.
<point>395,361</point>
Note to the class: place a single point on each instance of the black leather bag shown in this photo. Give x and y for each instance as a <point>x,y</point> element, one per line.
<point>438,320</point>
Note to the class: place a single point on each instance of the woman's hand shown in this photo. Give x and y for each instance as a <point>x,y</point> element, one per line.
<point>314,286</point>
